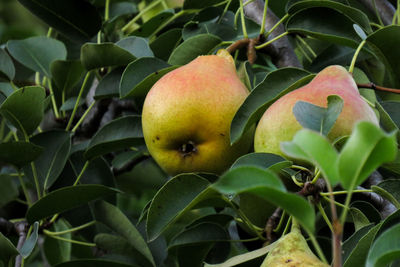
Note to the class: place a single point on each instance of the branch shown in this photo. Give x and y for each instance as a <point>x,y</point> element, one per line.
<point>377,87</point>
<point>384,8</point>
<point>281,51</point>
<point>21,228</point>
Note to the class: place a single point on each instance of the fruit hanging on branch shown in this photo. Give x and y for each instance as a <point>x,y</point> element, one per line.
<point>187,116</point>
<point>279,123</point>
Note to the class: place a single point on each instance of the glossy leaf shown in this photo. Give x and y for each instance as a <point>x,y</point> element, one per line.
<point>78,20</point>
<point>391,189</point>
<point>30,243</point>
<point>312,147</point>
<point>66,73</point>
<point>262,160</point>
<point>392,108</point>
<point>109,86</point>
<point>58,251</point>
<point>92,263</point>
<point>318,118</point>
<point>385,249</point>
<point>24,108</point>
<point>19,153</point>
<point>275,85</point>
<point>37,53</point>
<point>8,189</point>
<point>7,249</point>
<point>202,44</point>
<point>140,75</point>
<point>7,69</point>
<point>116,135</point>
<point>137,46</point>
<point>166,43</point>
<point>193,4</point>
<point>112,217</point>
<point>366,149</point>
<point>150,26</point>
<point>166,207</point>
<point>267,185</point>
<point>66,198</point>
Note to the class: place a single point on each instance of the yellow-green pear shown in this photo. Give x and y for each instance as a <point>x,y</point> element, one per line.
<point>279,124</point>
<point>187,115</point>
<point>292,250</point>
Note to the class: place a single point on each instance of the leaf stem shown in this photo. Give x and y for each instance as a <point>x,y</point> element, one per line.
<point>81,173</point>
<point>83,226</point>
<point>287,226</point>
<point>139,15</point>
<point>278,227</point>
<point>53,99</point>
<point>262,30</point>
<point>276,25</point>
<point>323,213</point>
<point>83,117</point>
<point>107,10</point>
<point>78,100</point>
<point>271,41</point>
<point>26,193</point>
<point>35,178</point>
<point>346,192</point>
<point>242,20</point>
<point>353,61</point>
<point>228,3</point>
<point>48,233</point>
<point>307,46</point>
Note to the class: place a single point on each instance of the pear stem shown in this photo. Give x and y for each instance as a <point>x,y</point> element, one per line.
<point>377,87</point>
<point>353,61</point>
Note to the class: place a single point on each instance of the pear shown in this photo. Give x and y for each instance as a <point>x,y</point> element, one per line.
<point>187,116</point>
<point>278,123</point>
<point>292,250</point>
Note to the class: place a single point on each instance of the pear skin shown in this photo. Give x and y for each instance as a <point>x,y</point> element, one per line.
<point>292,251</point>
<point>278,123</point>
<point>187,116</point>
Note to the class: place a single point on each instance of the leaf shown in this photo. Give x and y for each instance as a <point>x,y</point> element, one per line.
<point>8,189</point>
<point>7,69</point>
<point>19,153</point>
<point>49,165</point>
<point>392,108</point>
<point>116,135</point>
<point>351,243</point>
<point>37,53</point>
<point>92,263</point>
<point>314,148</point>
<point>318,118</point>
<point>384,43</point>
<point>360,32</point>
<point>112,217</point>
<point>275,85</point>
<point>7,249</point>
<point>385,249</point>
<point>365,150</point>
<point>108,87</point>
<point>66,198</point>
<point>198,45</point>
<point>76,19</point>
<point>267,185</point>
<point>30,243</point>
<point>24,108</point>
<point>94,56</point>
<point>140,75</point>
<point>166,207</point>
<point>58,251</point>
<point>389,189</point>
<point>359,219</point>
<point>150,26</point>
<point>66,74</point>
<point>165,43</point>
<point>137,46</point>
<point>194,4</point>
<point>262,160</point>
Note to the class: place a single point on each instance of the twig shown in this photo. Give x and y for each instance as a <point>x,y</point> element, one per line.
<point>377,87</point>
<point>21,229</point>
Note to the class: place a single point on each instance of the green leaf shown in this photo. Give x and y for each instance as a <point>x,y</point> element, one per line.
<point>78,20</point>
<point>275,85</point>
<point>49,165</point>
<point>359,219</point>
<point>140,75</point>
<point>7,69</point>
<point>262,160</point>
<point>94,56</point>
<point>384,43</point>
<point>112,217</point>
<point>351,243</point>
<point>194,4</point>
<point>30,243</point>
<point>137,46</point>
<point>392,108</point>
<point>267,185</point>
<point>385,249</point>
<point>8,189</point>
<point>314,148</point>
<point>66,198</point>
<point>37,53</point>
<point>150,26</point>
<point>92,263</point>
<point>19,153</point>
<point>66,74</point>
<point>167,206</point>
<point>58,251</point>
<point>24,108</point>
<point>116,135</point>
<point>318,118</point>
<point>108,87</point>
<point>389,189</point>
<point>365,150</point>
<point>7,249</point>
<point>166,43</point>
<point>202,44</point>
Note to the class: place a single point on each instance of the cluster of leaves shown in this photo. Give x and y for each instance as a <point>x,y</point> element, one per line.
<point>74,165</point>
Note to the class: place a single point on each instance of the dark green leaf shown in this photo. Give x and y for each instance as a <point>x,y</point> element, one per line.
<point>30,243</point>
<point>267,185</point>
<point>66,198</point>
<point>150,26</point>
<point>166,43</point>
<point>7,69</point>
<point>19,153</point>
<point>7,249</point>
<point>391,188</point>
<point>116,135</point>
<point>385,249</point>
<point>69,104</point>
<point>58,251</point>
<point>194,4</point>
<point>137,46</point>
<point>392,108</point>
<point>8,189</point>
<point>350,243</point>
<point>24,108</point>
<point>275,85</point>
<point>366,149</point>
<point>359,219</point>
<point>263,160</point>
<point>112,217</point>
<point>318,118</point>
<point>76,19</point>
<point>66,74</point>
<point>37,53</point>
<point>109,85</point>
<point>198,45</point>
<point>92,263</point>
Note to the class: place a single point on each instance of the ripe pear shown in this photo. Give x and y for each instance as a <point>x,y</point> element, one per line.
<point>279,124</point>
<point>187,116</point>
<point>292,251</point>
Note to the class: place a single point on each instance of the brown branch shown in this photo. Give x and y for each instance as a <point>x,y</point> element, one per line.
<point>377,87</point>
<point>238,45</point>
<point>21,228</point>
